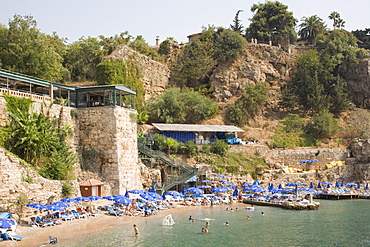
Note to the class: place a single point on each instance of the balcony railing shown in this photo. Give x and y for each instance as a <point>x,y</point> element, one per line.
<point>19,94</point>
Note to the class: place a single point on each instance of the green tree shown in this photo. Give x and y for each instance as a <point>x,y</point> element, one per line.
<point>310,27</point>
<point>195,63</point>
<point>323,125</point>
<point>175,106</point>
<point>248,105</point>
<point>337,21</point>
<point>228,45</point>
<point>82,58</point>
<point>25,49</point>
<point>272,22</point>
<point>237,26</point>
<point>109,44</point>
<point>364,37</point>
<point>306,85</point>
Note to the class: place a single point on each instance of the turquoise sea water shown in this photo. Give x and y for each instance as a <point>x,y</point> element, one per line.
<point>335,223</point>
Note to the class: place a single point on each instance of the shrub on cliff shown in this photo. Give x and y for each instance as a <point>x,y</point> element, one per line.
<point>38,140</point>
<point>248,105</point>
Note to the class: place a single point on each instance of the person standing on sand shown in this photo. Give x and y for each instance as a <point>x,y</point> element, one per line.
<point>136,230</point>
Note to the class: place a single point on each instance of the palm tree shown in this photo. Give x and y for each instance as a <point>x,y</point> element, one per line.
<point>337,21</point>
<point>310,27</point>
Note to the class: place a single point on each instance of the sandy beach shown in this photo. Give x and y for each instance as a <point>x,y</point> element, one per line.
<point>67,231</point>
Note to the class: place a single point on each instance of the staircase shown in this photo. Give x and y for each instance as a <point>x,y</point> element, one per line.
<point>187,170</point>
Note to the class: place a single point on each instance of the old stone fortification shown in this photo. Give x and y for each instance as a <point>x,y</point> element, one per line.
<point>111,133</point>
<point>155,74</point>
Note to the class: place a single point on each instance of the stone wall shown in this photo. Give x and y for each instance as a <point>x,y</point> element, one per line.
<point>111,132</point>
<point>13,177</point>
<point>155,74</point>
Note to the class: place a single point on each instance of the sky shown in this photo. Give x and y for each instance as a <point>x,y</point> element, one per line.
<point>73,19</point>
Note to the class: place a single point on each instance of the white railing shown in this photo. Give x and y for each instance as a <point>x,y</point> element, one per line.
<point>35,97</point>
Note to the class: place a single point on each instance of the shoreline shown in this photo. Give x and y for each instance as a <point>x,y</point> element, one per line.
<point>70,230</point>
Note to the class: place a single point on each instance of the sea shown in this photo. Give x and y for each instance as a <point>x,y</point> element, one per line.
<point>335,223</point>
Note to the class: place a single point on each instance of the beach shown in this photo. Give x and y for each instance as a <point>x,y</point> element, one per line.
<point>72,230</point>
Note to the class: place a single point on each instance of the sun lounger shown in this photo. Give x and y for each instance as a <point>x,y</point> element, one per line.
<point>78,215</point>
<point>53,240</point>
<point>11,236</point>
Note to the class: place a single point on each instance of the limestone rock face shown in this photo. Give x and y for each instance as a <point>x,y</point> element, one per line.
<point>155,74</point>
<point>259,63</point>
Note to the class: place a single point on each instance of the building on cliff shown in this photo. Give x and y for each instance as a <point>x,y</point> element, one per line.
<point>105,123</point>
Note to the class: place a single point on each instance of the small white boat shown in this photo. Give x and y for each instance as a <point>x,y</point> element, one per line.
<point>250,208</point>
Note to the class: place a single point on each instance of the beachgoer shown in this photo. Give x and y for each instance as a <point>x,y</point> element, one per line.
<point>207,224</point>
<point>205,229</point>
<point>247,217</point>
<point>236,209</point>
<point>190,219</point>
<point>262,214</point>
<point>136,230</point>
<point>226,223</point>
<point>212,202</point>
<point>227,209</point>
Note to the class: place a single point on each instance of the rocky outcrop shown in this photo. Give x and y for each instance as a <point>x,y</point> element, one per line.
<point>155,74</point>
<point>358,84</point>
<point>258,63</point>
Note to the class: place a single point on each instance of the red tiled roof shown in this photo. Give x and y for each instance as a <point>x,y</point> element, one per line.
<point>91,182</point>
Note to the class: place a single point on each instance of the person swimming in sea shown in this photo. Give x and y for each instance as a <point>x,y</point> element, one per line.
<point>136,230</point>
<point>226,223</point>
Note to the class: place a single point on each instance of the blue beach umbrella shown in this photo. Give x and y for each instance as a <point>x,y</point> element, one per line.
<point>245,184</point>
<point>147,197</point>
<point>123,200</point>
<point>164,196</point>
<point>70,200</point>
<point>207,181</point>
<point>311,185</point>
<point>342,184</point>
<point>236,192</point>
<point>61,204</point>
<point>174,193</point>
<point>290,184</point>
<point>136,191</point>
<point>219,190</point>
<point>36,206</point>
<point>54,208</point>
<point>7,223</point>
<point>155,195</point>
<point>336,184</point>
<point>329,186</point>
<point>367,186</point>
<point>319,186</point>
<point>358,186</point>
<point>82,199</point>
<point>110,198</point>
<point>127,194</point>
<point>220,176</point>
<point>328,183</point>
<point>152,189</point>
<point>195,190</point>
<point>280,187</point>
<point>204,187</point>
<point>95,198</point>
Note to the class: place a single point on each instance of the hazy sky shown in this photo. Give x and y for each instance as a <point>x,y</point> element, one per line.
<point>164,18</point>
